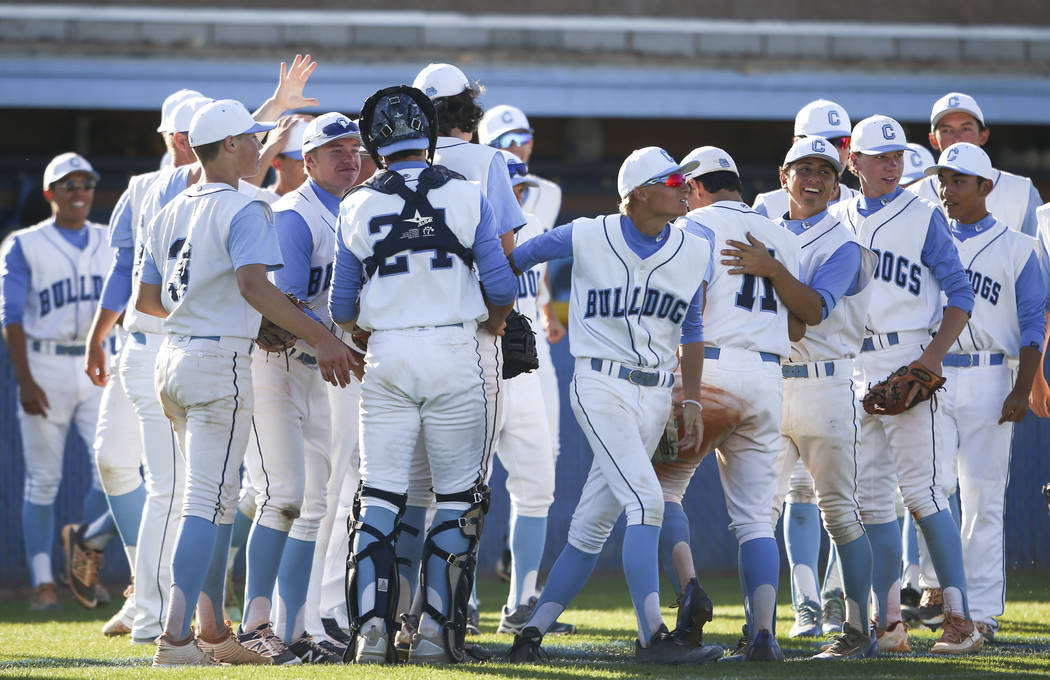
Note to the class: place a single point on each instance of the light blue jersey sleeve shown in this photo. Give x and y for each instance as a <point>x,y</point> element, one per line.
<point>1044,267</point>
<point>1029,225</point>
<point>760,205</point>
<point>1031,296</point>
<point>941,256</point>
<point>693,326</point>
<point>252,239</point>
<point>836,276</point>
<point>347,274</point>
<point>121,234</point>
<point>500,194</point>
<point>501,286</point>
<point>150,272</point>
<point>15,284</point>
<point>117,290</point>
<point>297,248</point>
<point>551,245</point>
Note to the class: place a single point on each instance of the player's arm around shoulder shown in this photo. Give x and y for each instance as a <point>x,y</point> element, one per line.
<point>779,261</point>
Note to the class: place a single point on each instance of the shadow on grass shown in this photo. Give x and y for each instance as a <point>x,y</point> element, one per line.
<point>70,662</point>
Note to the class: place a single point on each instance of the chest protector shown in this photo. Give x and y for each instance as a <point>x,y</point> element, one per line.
<point>420,226</point>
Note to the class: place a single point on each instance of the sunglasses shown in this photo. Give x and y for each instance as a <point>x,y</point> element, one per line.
<point>675,179</point>
<point>841,143</point>
<point>71,185</point>
<point>509,139</point>
<point>517,169</point>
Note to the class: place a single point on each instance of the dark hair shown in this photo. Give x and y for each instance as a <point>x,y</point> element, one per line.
<point>719,180</point>
<point>458,111</point>
<point>404,155</point>
<point>208,152</point>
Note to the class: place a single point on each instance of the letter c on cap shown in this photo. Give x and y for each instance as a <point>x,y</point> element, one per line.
<point>507,117</point>
<point>952,155</point>
<point>818,145</point>
<point>888,132</point>
<point>833,117</point>
<point>953,101</point>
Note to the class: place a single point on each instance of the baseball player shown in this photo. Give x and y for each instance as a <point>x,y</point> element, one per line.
<point>406,234</point>
<point>820,419</point>
<point>917,261</point>
<point>167,110</point>
<point>291,431</point>
<point>1039,402</point>
<point>52,276</point>
<point>203,244</point>
<point>916,160</point>
<point>819,118</point>
<point>747,335</point>
<point>991,367</point>
<point>637,294</point>
<point>956,117</point>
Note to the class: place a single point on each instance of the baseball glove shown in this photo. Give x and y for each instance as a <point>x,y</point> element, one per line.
<point>519,346</point>
<point>273,338</point>
<point>893,395</point>
<point>667,447</point>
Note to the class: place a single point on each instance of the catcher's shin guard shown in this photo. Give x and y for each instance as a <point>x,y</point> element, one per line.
<point>383,555</point>
<point>461,568</point>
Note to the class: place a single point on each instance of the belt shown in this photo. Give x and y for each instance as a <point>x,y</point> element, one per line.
<point>968,360</point>
<point>715,352</point>
<point>138,337</point>
<point>47,347</point>
<point>213,338</point>
<point>884,340</point>
<point>303,357</point>
<point>821,369</point>
<point>635,376</point>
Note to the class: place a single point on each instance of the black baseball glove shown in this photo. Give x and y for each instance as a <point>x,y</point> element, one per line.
<point>519,346</point>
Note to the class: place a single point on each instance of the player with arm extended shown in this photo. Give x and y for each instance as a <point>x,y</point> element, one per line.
<point>821,422</point>
<point>51,278</point>
<point>990,368</point>
<point>411,234</point>
<point>907,325</point>
<point>637,294</point>
<point>747,334</point>
<point>1039,401</point>
<point>819,118</point>
<point>203,244</point>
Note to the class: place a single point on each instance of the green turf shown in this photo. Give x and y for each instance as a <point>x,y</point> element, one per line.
<point>68,644</point>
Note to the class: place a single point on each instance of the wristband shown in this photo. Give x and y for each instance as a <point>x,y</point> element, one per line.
<point>693,401</point>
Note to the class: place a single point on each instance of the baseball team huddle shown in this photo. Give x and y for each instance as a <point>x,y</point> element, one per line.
<point>842,352</point>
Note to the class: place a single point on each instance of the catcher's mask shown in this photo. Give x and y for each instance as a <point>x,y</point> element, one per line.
<point>398,118</point>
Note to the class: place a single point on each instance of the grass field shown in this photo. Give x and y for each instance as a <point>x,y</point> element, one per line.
<point>67,644</point>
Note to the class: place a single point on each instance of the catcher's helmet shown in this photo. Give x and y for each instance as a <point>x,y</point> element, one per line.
<point>398,118</point>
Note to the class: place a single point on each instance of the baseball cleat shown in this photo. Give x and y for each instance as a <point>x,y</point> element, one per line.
<point>370,647</point>
<point>82,564</point>
<point>334,632</point>
<point>910,598</point>
<point>472,620</point>
<point>958,636</point>
<point>667,648</point>
<point>694,610</point>
<point>228,649</point>
<point>764,648</point>
<point>511,623</point>
<point>742,645</point>
<point>807,620</point>
<point>988,630</point>
<point>120,623</point>
<point>403,638</point>
<point>931,608</point>
<point>264,642</point>
<point>894,638</point>
<point>44,598</point>
<point>426,649</point>
<point>180,653</point>
<point>833,612</point>
<point>851,644</point>
<point>309,651</point>
<point>526,647</point>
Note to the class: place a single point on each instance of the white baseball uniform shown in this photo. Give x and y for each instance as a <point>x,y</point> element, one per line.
<point>1011,199</point>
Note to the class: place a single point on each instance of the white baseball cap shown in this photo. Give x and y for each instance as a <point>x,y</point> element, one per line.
<point>328,128</point>
<point>167,109</point>
<point>955,101</point>
<point>223,118</point>
<point>916,159</point>
<point>183,113</point>
<point>878,134</point>
<point>441,80</point>
<point>66,164</point>
<point>500,119</point>
<point>709,159</point>
<point>814,147</point>
<point>822,118</point>
<point>966,158</point>
<point>294,147</point>
<point>642,165</point>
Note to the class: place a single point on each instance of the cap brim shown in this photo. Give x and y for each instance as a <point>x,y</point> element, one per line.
<point>958,109</point>
<point>74,171</point>
<point>934,169</point>
<point>686,168</point>
<point>318,142</point>
<point>518,181</point>
<point>836,163</point>
<point>295,155</point>
<point>417,144</point>
<point>880,149</point>
<point>260,127</point>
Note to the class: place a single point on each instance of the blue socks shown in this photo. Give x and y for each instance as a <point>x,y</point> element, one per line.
<point>945,546</point>
<point>802,540</point>
<point>640,544</point>
<point>126,510</point>
<point>293,578</point>
<point>568,576</point>
<point>760,569</point>
<point>215,578</point>
<point>450,540</point>
<point>675,530</point>
<point>242,526</point>
<point>262,559</point>
<point>94,505</point>
<point>528,535</point>
<point>38,528</point>
<point>956,509</point>
<point>195,542</point>
<point>381,519</point>
<point>885,540</point>
<point>856,565</point>
<point>410,548</point>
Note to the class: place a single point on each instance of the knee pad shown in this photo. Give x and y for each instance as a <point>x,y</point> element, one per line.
<point>384,563</point>
<point>460,569</point>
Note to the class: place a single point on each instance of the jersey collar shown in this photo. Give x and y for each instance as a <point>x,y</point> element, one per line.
<point>871,205</point>
<point>799,226</point>
<point>330,201</point>
<point>964,231</point>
